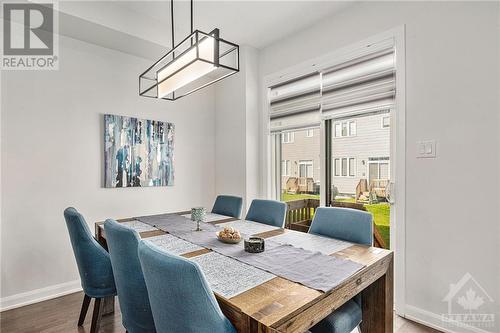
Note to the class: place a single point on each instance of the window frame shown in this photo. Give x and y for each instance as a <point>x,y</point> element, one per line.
<point>382,122</point>
<point>311,131</point>
<point>290,137</point>
<point>306,163</point>
<point>347,123</point>
<point>337,172</point>
<point>286,165</point>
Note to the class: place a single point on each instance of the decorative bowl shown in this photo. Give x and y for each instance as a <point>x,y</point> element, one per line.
<point>228,240</point>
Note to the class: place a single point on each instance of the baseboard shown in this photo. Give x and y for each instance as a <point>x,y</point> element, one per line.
<point>39,295</point>
<point>435,321</point>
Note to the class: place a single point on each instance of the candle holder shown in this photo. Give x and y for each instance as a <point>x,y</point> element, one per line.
<point>254,245</point>
<point>198,215</point>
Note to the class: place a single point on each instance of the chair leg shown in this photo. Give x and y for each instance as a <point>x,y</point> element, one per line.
<point>96,316</point>
<point>83,311</point>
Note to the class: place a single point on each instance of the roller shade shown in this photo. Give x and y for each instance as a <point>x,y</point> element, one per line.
<point>363,83</point>
<point>348,85</point>
<point>295,104</point>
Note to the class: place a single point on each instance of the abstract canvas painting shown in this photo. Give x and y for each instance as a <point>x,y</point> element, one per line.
<point>138,152</point>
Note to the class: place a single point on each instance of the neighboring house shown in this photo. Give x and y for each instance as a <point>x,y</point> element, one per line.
<point>360,150</point>
<point>300,155</point>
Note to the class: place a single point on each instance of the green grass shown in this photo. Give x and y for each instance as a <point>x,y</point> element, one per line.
<point>380,212</point>
<point>290,197</point>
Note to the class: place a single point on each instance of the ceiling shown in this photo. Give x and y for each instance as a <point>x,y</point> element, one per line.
<point>254,23</point>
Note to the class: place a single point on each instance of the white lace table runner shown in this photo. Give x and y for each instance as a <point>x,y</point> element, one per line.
<point>229,277</point>
<point>173,245</point>
<point>210,217</point>
<point>247,227</point>
<point>311,242</point>
<point>138,226</point>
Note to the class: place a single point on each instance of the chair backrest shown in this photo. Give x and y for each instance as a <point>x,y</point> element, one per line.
<point>343,223</point>
<point>123,245</point>
<point>269,212</point>
<point>92,259</point>
<point>228,205</point>
<point>180,297</point>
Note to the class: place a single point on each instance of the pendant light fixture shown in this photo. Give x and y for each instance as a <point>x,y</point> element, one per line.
<point>198,61</point>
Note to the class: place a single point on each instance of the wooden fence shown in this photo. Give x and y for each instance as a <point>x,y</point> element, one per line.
<point>300,214</point>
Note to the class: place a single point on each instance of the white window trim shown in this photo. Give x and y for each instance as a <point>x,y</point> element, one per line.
<point>348,163</point>
<point>310,130</point>
<point>307,163</point>
<point>348,123</point>
<point>287,165</point>
<point>290,136</point>
<point>378,162</point>
<point>382,122</point>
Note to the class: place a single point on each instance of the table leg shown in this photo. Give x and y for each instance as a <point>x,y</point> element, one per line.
<point>378,304</point>
<point>109,305</point>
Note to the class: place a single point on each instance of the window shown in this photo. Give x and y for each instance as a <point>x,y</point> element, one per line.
<point>296,169</point>
<point>351,167</point>
<point>338,132</point>
<point>386,121</point>
<point>310,133</point>
<point>378,168</point>
<point>352,128</point>
<point>345,166</point>
<point>306,169</point>
<point>337,167</point>
<point>345,129</point>
<point>288,137</point>
<point>285,168</point>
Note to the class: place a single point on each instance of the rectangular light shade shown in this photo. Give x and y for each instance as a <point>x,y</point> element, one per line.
<point>199,60</point>
<point>187,67</point>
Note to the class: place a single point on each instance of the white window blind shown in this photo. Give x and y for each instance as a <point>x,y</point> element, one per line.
<point>360,85</point>
<point>295,104</point>
<point>363,81</point>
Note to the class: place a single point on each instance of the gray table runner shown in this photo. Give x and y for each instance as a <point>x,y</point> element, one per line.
<point>173,244</point>
<point>138,226</point>
<point>248,227</point>
<point>312,269</point>
<point>210,217</point>
<point>312,242</point>
<point>229,277</point>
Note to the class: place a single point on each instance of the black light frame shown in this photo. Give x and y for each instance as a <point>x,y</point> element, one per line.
<point>195,35</point>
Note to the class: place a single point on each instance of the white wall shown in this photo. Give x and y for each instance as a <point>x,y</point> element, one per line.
<point>237,131</point>
<point>452,85</point>
<point>52,158</point>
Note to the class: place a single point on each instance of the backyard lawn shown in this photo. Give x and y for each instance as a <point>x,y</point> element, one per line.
<point>380,212</point>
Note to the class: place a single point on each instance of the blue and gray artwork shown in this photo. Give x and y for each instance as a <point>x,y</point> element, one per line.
<point>138,152</point>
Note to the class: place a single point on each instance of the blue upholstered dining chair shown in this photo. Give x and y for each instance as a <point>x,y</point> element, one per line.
<point>123,244</point>
<point>347,224</point>
<point>353,226</point>
<point>269,212</point>
<point>180,296</point>
<point>228,205</point>
<point>93,264</point>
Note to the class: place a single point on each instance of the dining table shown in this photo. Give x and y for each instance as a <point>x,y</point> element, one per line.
<point>258,298</point>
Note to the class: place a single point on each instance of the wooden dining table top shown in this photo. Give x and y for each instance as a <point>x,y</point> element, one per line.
<point>281,305</point>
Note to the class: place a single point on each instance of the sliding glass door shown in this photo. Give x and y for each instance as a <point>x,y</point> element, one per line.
<point>299,164</point>
<point>359,174</point>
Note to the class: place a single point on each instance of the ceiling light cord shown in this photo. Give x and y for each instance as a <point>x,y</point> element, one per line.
<point>192,16</point>
<point>172,20</point>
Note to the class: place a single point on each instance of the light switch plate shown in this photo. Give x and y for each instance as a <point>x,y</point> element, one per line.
<point>426,149</point>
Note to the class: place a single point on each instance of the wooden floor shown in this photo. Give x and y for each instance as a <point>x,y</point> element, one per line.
<point>61,315</point>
